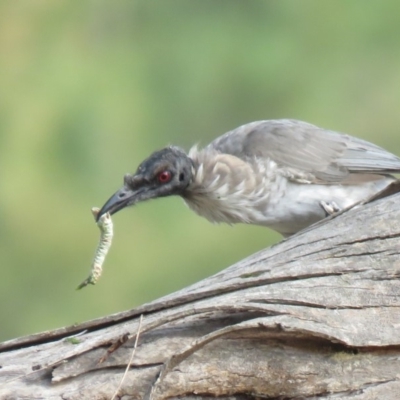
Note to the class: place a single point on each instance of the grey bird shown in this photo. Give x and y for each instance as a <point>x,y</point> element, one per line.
<point>282,174</point>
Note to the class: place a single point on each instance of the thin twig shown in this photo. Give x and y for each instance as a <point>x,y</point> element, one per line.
<point>131,359</point>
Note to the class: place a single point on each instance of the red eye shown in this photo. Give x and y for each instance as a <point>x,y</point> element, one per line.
<point>164,177</point>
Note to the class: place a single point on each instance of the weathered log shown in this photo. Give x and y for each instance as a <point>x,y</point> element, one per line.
<point>315,316</point>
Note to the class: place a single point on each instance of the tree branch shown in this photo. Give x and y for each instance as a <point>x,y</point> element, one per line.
<point>316,315</point>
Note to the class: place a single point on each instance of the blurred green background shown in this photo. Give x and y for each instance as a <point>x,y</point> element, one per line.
<point>89,89</point>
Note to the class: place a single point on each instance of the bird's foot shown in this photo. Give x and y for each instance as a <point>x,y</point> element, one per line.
<point>329,208</point>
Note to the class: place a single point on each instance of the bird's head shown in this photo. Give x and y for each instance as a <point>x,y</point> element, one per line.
<point>166,172</point>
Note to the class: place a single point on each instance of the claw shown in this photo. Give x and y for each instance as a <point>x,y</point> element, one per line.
<point>329,208</point>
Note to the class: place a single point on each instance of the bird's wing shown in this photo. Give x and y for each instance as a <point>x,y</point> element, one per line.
<point>319,155</point>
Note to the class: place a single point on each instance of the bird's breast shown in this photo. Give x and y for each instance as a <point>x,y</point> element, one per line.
<point>231,190</point>
<point>228,189</point>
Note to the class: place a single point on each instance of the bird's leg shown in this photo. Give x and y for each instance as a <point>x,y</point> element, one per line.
<point>329,208</point>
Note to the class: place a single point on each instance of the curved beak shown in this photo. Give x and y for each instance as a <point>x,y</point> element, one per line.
<point>119,200</point>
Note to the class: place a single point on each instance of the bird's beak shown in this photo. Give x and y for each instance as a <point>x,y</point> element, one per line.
<point>119,200</point>
<point>135,189</point>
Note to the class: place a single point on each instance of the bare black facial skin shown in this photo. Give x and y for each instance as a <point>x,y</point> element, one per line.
<point>166,172</point>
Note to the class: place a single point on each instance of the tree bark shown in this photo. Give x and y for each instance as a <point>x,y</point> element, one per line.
<point>315,316</point>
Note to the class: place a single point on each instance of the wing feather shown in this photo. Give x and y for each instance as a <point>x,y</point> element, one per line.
<point>325,155</point>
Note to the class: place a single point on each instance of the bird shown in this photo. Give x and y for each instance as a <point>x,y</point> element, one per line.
<point>283,174</point>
